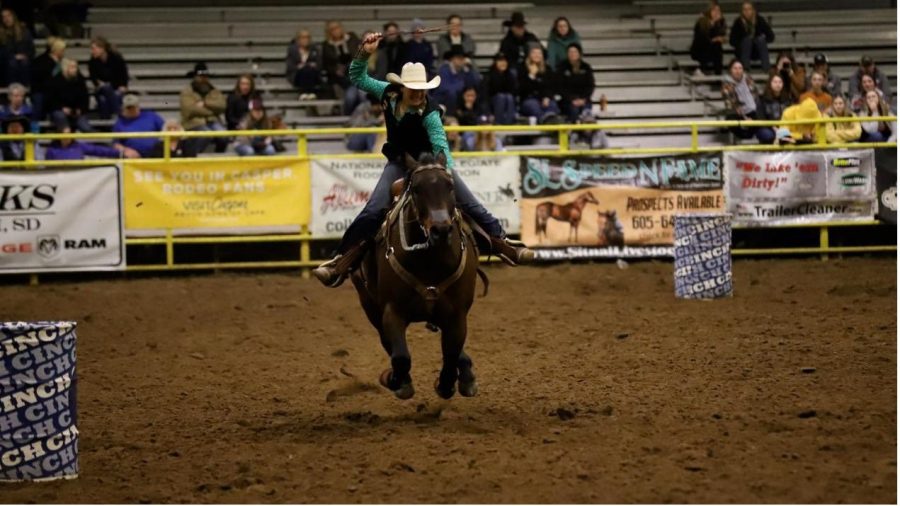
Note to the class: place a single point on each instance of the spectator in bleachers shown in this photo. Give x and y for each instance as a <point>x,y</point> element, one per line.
<point>109,73</point>
<point>71,149</point>
<point>367,114</point>
<point>839,133</point>
<point>740,94</point>
<point>238,103</point>
<point>304,66</point>
<point>256,119</point>
<point>876,131</point>
<point>770,106</point>
<point>515,45</point>
<point>751,36</point>
<point>135,119</point>
<point>536,87</point>
<point>562,35</point>
<point>456,76</point>
<point>390,52</point>
<point>176,144</point>
<point>417,49</point>
<point>454,139</point>
<point>801,134</point>
<point>43,69</point>
<point>858,102</point>
<point>867,67</point>
<point>832,80</point>
<point>471,111</point>
<point>337,53</point>
<point>18,48</point>
<point>14,150</point>
<point>576,83</point>
<point>709,35</point>
<point>817,92</point>
<point>792,74</point>
<point>201,107</point>
<point>456,36</point>
<point>501,88</point>
<point>16,104</point>
<point>68,99</point>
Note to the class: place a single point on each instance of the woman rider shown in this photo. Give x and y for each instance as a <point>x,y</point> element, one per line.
<point>414,127</point>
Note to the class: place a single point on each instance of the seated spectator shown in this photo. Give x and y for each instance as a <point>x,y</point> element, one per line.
<point>843,132</point>
<point>367,114</point>
<point>709,35</point>
<point>562,35</point>
<point>389,58</point>
<point>793,75</point>
<point>515,45</point>
<point>751,36</point>
<point>68,99</point>
<point>14,150</point>
<point>536,87</point>
<point>337,53</point>
<point>304,66</point>
<point>876,131</point>
<point>456,76</point>
<point>770,106</point>
<point>419,50</point>
<point>867,67</point>
<point>740,94</point>
<point>454,139</point>
<point>470,111</point>
<point>43,69</point>
<point>16,104</point>
<point>133,119</point>
<point>71,149</point>
<point>455,36</point>
<point>18,47</point>
<point>576,83</point>
<point>176,144</point>
<point>817,92</point>
<point>832,80</point>
<point>201,107</point>
<point>501,87</point>
<point>256,119</point>
<point>858,102</point>
<point>109,73</point>
<point>238,103</point>
<point>801,134</point>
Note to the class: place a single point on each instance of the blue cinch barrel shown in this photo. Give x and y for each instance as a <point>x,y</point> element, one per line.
<point>703,256</point>
<point>38,434</point>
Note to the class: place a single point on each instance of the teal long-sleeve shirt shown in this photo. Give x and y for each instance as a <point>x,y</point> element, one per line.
<point>432,122</point>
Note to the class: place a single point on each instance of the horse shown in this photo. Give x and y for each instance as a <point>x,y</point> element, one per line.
<point>609,229</point>
<point>422,268</point>
<point>570,212</point>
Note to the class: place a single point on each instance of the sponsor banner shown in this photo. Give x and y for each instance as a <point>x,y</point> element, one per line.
<point>613,206</point>
<point>341,188</point>
<point>886,184</point>
<point>595,252</point>
<point>200,194</point>
<point>61,220</point>
<point>800,187</point>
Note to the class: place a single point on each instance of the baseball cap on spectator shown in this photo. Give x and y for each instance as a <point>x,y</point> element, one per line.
<point>866,61</point>
<point>517,19</point>
<point>200,69</point>
<point>255,105</point>
<point>417,24</point>
<point>820,59</point>
<point>131,100</point>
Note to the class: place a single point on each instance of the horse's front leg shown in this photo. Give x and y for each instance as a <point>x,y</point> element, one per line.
<point>453,338</point>
<point>397,378</point>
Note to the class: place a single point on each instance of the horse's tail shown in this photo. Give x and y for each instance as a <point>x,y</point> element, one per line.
<point>484,280</point>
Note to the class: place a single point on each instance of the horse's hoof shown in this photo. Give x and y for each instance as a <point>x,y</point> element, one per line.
<point>469,389</point>
<point>442,394</point>
<point>403,392</point>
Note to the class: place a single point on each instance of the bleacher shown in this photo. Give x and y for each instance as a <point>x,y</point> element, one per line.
<point>639,51</point>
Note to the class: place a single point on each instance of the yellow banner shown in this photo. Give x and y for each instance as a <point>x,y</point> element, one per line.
<point>216,194</point>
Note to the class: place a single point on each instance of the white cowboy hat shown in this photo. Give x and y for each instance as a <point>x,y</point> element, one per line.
<point>413,76</point>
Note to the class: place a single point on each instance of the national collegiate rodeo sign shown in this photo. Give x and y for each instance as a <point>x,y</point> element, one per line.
<point>613,207</point>
<point>61,220</point>
<point>801,186</point>
<point>341,187</point>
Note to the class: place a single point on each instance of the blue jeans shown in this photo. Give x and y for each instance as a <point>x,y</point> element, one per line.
<point>750,46</point>
<point>503,106</point>
<point>765,135</point>
<point>109,102</point>
<point>572,112</point>
<point>307,80</point>
<point>79,123</point>
<point>534,107</point>
<point>873,137</point>
<point>195,146</point>
<point>248,150</point>
<point>366,224</point>
<point>361,142</point>
<point>353,96</point>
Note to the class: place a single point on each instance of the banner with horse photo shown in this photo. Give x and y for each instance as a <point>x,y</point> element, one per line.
<point>602,207</point>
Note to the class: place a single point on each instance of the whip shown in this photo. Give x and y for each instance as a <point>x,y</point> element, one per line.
<point>359,51</point>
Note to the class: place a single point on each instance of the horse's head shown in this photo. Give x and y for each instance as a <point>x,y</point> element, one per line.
<point>589,198</point>
<point>431,190</point>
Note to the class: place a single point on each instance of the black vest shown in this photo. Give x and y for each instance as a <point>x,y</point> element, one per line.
<point>408,134</point>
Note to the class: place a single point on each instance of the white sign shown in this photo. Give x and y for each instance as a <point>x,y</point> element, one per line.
<point>61,220</point>
<point>341,187</point>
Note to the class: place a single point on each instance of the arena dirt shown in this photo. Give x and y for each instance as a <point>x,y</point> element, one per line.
<point>596,386</point>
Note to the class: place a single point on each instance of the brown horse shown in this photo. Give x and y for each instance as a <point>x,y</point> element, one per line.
<point>422,268</point>
<point>609,229</point>
<point>570,212</point>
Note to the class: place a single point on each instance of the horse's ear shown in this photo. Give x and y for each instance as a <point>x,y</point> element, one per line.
<point>410,162</point>
<point>441,159</point>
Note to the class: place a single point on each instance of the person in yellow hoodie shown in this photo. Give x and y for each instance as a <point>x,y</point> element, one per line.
<point>838,133</point>
<point>800,134</point>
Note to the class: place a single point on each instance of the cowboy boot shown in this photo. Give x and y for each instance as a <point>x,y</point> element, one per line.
<point>511,252</point>
<point>333,272</point>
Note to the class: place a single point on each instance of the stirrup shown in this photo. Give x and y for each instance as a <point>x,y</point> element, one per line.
<point>520,253</point>
<point>328,275</point>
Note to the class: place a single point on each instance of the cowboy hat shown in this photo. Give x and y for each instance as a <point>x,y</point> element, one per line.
<point>22,120</point>
<point>414,77</point>
<point>516,19</point>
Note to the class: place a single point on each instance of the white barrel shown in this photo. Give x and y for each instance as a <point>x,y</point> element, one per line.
<point>703,256</point>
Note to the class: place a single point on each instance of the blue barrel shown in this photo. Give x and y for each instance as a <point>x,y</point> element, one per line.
<point>38,434</point>
<point>703,256</point>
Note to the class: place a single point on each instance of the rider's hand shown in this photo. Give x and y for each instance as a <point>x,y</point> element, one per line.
<point>370,43</point>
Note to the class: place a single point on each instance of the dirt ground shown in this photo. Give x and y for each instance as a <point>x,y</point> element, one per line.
<point>596,385</point>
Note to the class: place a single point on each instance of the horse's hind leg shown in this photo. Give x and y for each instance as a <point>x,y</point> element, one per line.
<point>397,378</point>
<point>453,338</point>
<point>467,385</point>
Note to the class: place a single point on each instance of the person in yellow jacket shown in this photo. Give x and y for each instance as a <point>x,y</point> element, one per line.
<point>838,133</point>
<point>800,134</point>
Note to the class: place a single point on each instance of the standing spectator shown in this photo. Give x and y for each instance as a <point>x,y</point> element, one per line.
<point>134,119</point>
<point>18,47</point>
<point>45,67</point>
<point>858,102</point>
<point>576,79</point>
<point>876,131</point>
<point>390,52</point>
<point>770,106</point>
<point>751,36</point>
<point>109,73</point>
<point>68,99</point>
<point>14,150</point>
<point>515,45</point>
<point>801,134</point>
<point>709,35</point>
<point>71,149</point>
<point>792,74</point>
<point>455,36</point>
<point>304,66</point>
<point>238,103</point>
<point>256,119</point>
<point>16,104</point>
<point>832,80</point>
<point>337,53</point>
<point>367,114</point>
<point>562,35</point>
<point>739,92</point>
<point>501,87</point>
<point>536,87</point>
<point>201,107</point>
<point>456,76</point>
<point>867,67</point>
<point>417,49</point>
<point>816,92</point>
<point>839,133</point>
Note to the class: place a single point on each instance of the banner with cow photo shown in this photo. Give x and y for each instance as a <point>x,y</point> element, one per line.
<point>601,207</point>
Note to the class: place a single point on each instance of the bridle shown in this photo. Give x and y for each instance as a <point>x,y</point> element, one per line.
<point>411,199</point>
